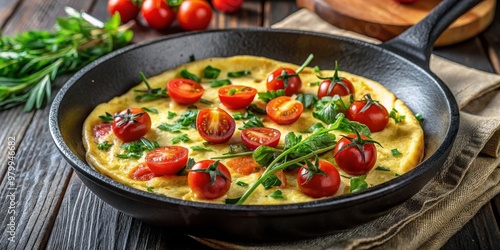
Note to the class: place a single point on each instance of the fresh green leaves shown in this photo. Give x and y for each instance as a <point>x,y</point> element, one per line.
<point>253,122</point>
<point>396,116</point>
<point>188,75</point>
<point>358,184</point>
<point>210,72</point>
<point>219,83</point>
<point>328,108</point>
<point>308,100</point>
<point>236,74</point>
<point>180,138</point>
<point>30,62</point>
<point>105,145</point>
<point>149,93</point>
<point>135,149</point>
<point>269,95</point>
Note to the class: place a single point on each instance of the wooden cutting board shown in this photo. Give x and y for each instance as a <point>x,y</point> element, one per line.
<point>385,19</point>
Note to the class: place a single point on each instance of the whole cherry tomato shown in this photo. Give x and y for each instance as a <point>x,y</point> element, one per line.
<point>236,96</point>
<point>284,78</point>
<point>200,179</point>
<point>284,110</point>
<point>369,112</point>
<point>335,85</point>
<point>131,124</point>
<point>128,9</point>
<point>215,125</point>
<point>184,91</point>
<point>255,137</point>
<point>194,14</point>
<point>228,6</point>
<point>354,154</point>
<point>321,182</point>
<point>167,160</point>
<point>157,14</point>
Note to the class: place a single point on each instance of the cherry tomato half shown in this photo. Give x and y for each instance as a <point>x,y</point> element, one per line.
<point>284,78</point>
<point>236,96</point>
<point>131,124</point>
<point>157,13</point>
<point>375,116</point>
<point>200,183</point>
<point>320,184</point>
<point>215,125</point>
<point>255,137</point>
<point>167,160</point>
<point>194,15</point>
<point>244,165</point>
<point>101,130</point>
<point>351,159</point>
<point>128,9</point>
<point>141,172</point>
<point>341,88</point>
<point>184,91</point>
<point>284,110</point>
<point>228,6</point>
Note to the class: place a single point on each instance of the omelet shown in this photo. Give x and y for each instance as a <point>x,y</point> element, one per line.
<point>405,137</point>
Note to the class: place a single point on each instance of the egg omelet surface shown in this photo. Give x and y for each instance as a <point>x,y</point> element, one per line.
<point>406,136</point>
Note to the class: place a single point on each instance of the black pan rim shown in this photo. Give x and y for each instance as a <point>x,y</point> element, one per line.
<point>340,201</point>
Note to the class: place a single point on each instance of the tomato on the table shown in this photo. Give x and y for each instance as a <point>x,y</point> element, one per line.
<point>194,15</point>
<point>244,165</point>
<point>141,172</point>
<point>184,91</point>
<point>128,9</point>
<point>228,6</point>
<point>355,154</point>
<point>215,125</point>
<point>321,182</point>
<point>236,96</point>
<point>131,124</point>
<point>284,110</point>
<point>255,137</point>
<point>157,13</point>
<point>167,160</point>
<point>284,78</point>
<point>202,183</point>
<point>369,112</point>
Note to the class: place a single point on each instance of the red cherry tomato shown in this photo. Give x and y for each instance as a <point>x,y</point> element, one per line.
<point>157,14</point>
<point>184,91</point>
<point>101,130</point>
<point>320,184</point>
<point>141,172</point>
<point>351,159</point>
<point>255,137</point>
<point>131,124</point>
<point>284,78</point>
<point>167,160</point>
<point>215,125</point>
<point>341,88</point>
<point>200,183</point>
<point>228,6</point>
<point>194,15</point>
<point>375,116</point>
<point>238,98</point>
<point>128,9</point>
<point>284,110</point>
<point>244,165</point>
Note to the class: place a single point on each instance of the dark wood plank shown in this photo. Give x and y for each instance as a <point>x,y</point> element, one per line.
<point>7,8</point>
<point>248,16</point>
<point>492,40</point>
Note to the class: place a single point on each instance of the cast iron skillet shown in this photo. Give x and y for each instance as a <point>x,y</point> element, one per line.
<point>400,64</point>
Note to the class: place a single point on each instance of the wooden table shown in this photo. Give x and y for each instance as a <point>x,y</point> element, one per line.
<point>54,210</point>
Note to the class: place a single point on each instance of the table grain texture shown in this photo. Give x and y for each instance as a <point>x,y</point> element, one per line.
<point>54,210</point>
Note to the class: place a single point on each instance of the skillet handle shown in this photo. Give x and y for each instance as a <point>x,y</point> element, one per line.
<point>416,43</point>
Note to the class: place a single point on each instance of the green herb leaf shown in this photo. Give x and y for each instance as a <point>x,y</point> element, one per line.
<point>328,108</point>
<point>151,189</point>
<point>253,122</point>
<point>105,145</point>
<point>210,72</point>
<point>180,138</point>
<point>264,155</point>
<point>277,195</point>
<point>242,184</point>
<point>172,128</point>
<point>237,74</point>
<point>382,168</point>
<point>108,118</point>
<point>314,128</point>
<point>395,152</point>
<point>255,109</point>
<point>394,114</point>
<point>308,100</point>
<point>269,95</point>
<point>150,110</point>
<point>312,84</point>
<point>199,148</point>
<point>219,83</point>
<point>205,101</point>
<point>149,93</point>
<point>188,75</point>
<point>135,149</point>
<point>188,118</point>
<point>419,118</point>
<point>232,200</point>
<point>171,115</point>
<point>358,184</point>
<point>271,181</point>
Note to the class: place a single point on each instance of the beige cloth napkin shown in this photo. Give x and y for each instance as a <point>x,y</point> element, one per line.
<point>468,180</point>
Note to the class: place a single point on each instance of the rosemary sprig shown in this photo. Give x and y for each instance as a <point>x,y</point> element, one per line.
<point>30,61</point>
